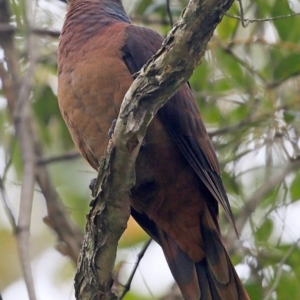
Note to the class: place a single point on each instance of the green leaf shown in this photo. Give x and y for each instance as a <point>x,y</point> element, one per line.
<point>210,112</point>
<point>286,27</point>
<point>133,296</point>
<point>49,118</point>
<point>295,188</point>
<point>230,183</point>
<point>254,290</point>
<point>288,287</point>
<point>200,76</point>
<point>240,113</point>
<point>288,67</point>
<point>3,123</point>
<point>265,230</point>
<point>231,69</point>
<point>227,27</point>
<point>288,116</point>
<point>17,159</point>
<point>142,6</point>
<point>221,85</point>
<point>45,104</point>
<point>263,8</point>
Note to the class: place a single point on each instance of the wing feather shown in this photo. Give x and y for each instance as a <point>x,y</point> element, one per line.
<point>181,117</point>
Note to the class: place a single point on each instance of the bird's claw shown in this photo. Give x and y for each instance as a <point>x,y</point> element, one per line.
<point>92,184</point>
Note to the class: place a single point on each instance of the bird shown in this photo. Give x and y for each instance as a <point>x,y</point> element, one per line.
<point>178,185</point>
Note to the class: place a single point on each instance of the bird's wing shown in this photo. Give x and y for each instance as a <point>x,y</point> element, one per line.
<point>215,276</point>
<point>181,117</point>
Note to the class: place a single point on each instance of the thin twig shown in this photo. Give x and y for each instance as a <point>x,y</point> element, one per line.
<point>247,122</point>
<point>259,194</point>
<point>251,41</point>
<point>59,158</point>
<point>246,22</point>
<point>140,256</point>
<point>244,64</point>
<point>8,28</point>
<point>169,13</point>
<point>268,85</point>
<point>149,20</point>
<point>69,235</point>
<point>280,270</point>
<point>27,190</point>
<point>232,128</point>
<point>46,32</point>
<point>7,208</point>
<point>22,120</point>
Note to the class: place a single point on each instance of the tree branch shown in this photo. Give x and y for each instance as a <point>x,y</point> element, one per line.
<point>280,270</point>
<point>58,158</point>
<point>158,80</point>
<point>69,235</point>
<point>258,195</point>
<point>22,118</point>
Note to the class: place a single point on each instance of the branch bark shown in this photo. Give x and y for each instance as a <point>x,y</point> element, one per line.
<point>158,80</point>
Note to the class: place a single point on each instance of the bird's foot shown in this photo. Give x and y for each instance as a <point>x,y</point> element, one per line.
<point>92,184</point>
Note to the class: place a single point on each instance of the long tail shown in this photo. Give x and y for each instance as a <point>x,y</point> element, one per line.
<point>213,278</point>
<point>202,280</point>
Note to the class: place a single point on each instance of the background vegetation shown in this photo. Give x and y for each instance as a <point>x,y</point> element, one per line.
<point>248,91</point>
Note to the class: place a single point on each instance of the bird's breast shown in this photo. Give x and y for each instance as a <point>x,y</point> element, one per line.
<point>92,84</point>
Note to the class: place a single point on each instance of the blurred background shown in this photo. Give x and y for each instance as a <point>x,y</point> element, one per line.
<point>248,91</point>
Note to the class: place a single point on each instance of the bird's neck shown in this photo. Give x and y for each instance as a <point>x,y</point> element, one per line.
<point>115,9</point>
<point>99,10</point>
<point>85,18</point>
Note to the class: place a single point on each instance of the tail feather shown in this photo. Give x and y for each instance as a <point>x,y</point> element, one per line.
<point>205,282</point>
<point>200,280</point>
<point>216,255</point>
<point>221,278</point>
<point>233,290</point>
<point>182,267</point>
<point>212,278</point>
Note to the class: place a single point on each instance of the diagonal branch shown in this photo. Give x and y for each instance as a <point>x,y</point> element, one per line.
<point>69,235</point>
<point>158,80</point>
<point>22,122</point>
<point>280,270</point>
<point>258,196</point>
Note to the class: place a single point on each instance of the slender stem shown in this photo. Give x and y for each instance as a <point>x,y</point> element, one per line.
<point>140,256</point>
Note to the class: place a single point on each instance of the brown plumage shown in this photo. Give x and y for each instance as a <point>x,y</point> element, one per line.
<point>178,185</point>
